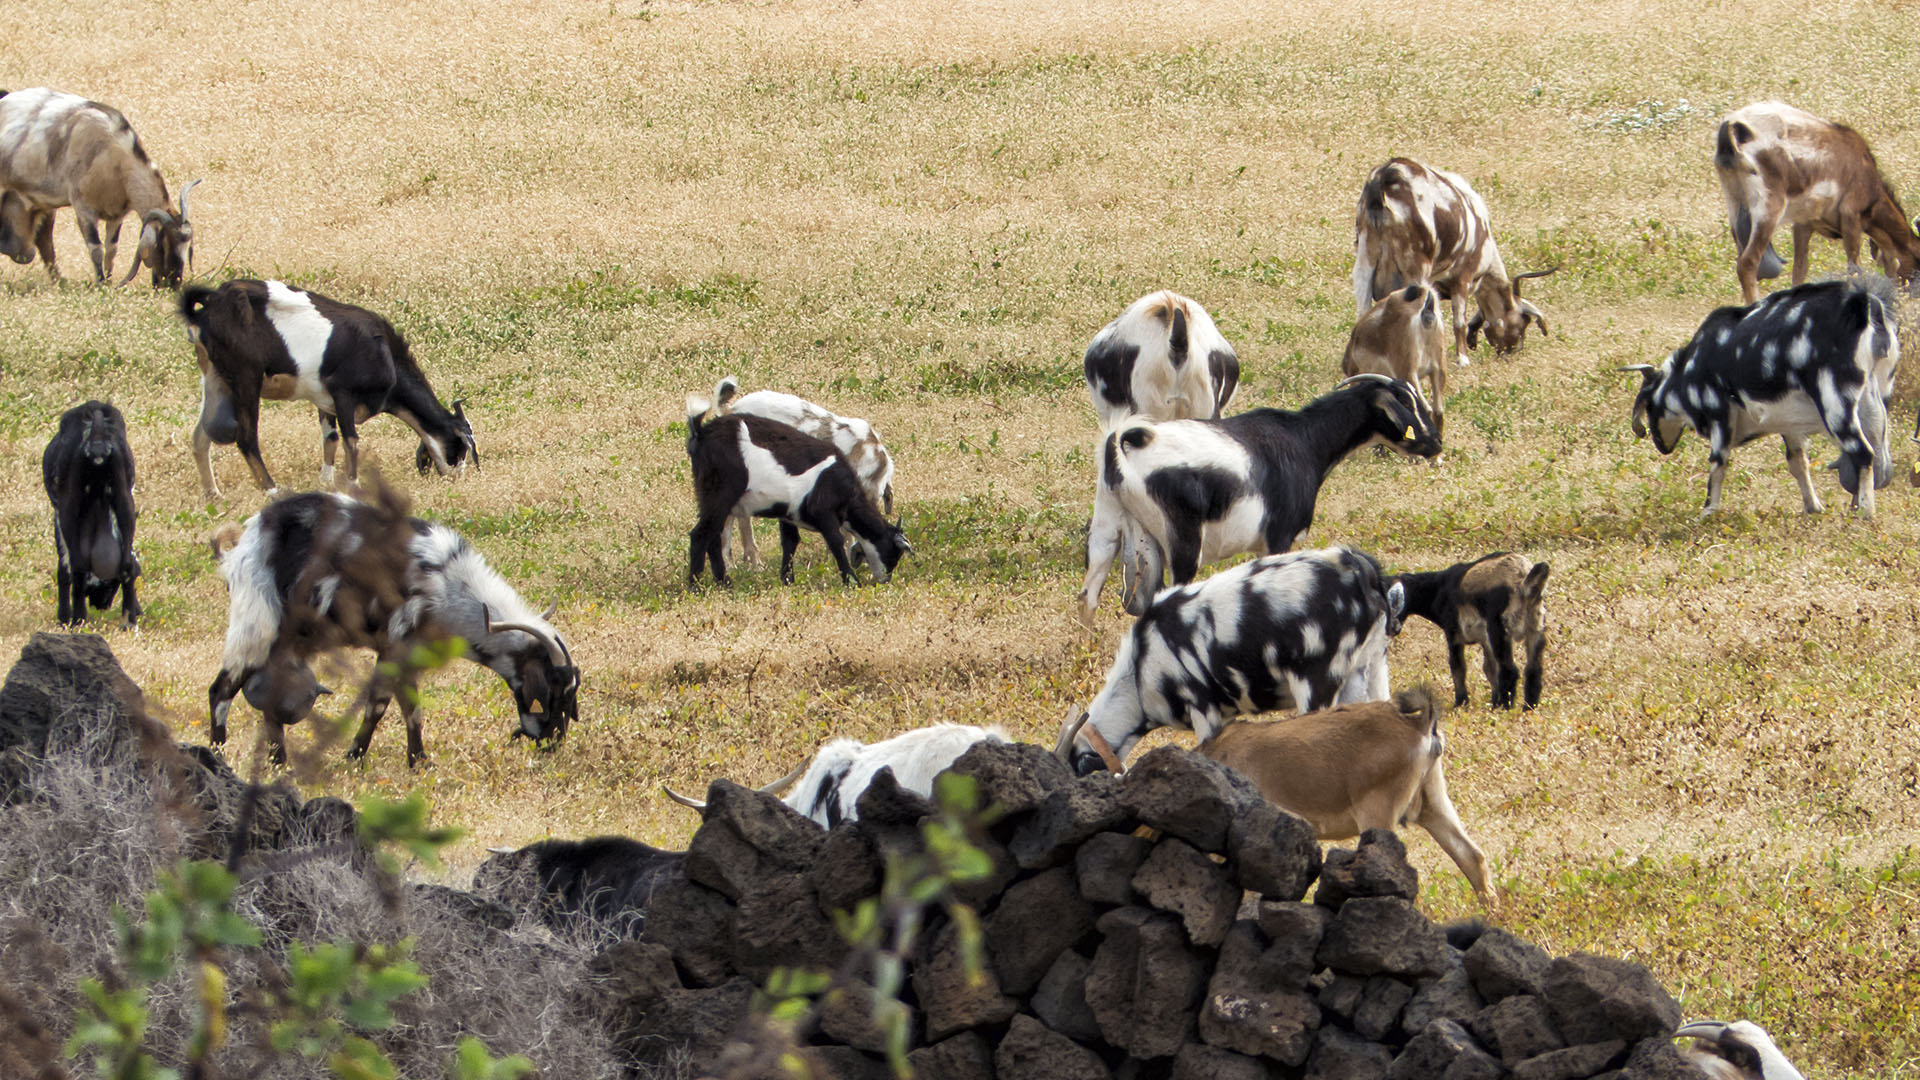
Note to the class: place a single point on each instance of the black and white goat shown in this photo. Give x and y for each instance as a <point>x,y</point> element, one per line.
<point>1741,1050</point>
<point>1808,359</point>
<point>88,472</point>
<point>829,790</point>
<point>266,339</point>
<point>856,440</point>
<point>1161,359</point>
<point>1301,631</point>
<point>1493,602</point>
<point>300,553</point>
<point>605,880</point>
<point>1201,490</point>
<point>764,468</point>
<point>62,150</point>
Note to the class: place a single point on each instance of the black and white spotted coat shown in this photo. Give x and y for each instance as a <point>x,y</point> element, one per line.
<point>1303,631</point>
<point>1810,359</point>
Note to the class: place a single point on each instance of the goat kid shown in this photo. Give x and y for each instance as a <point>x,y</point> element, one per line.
<point>754,466</point>
<point>1350,768</point>
<point>853,437</point>
<point>1400,337</point>
<point>317,571</point>
<point>1302,631</point>
<point>88,472</point>
<point>60,150</point>
<point>1197,491</point>
<point>266,339</point>
<point>1804,360</point>
<point>1415,224</point>
<point>1780,166</point>
<point>829,789</point>
<point>1492,602</point>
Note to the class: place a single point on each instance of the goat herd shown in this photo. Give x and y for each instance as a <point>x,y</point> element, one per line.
<point>1180,484</point>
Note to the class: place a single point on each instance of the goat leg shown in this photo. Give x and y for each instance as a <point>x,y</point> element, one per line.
<point>1457,667</point>
<point>379,696</point>
<point>43,241</point>
<point>830,531</point>
<point>1442,822</point>
<point>410,712</point>
<point>329,447</point>
<point>789,541</point>
<point>1536,649</point>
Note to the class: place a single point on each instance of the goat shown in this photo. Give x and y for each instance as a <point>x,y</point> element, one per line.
<point>829,789</point>
<point>1416,223</point>
<point>266,339</point>
<point>1741,1050</point>
<point>752,465</point>
<point>854,438</point>
<point>62,150</point>
<point>1807,359</point>
<point>1781,166</point>
<point>1492,602</point>
<point>1400,337</point>
<point>1350,768</point>
<point>23,229</point>
<point>1201,490</point>
<point>88,472</point>
<point>1300,631</point>
<point>304,554</point>
<point>605,880</point>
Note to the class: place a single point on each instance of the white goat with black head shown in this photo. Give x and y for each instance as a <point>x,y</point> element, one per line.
<point>1197,491</point>
<point>856,440</point>
<point>749,465</point>
<point>316,571</point>
<point>1804,360</point>
<point>1300,631</point>
<point>62,150</point>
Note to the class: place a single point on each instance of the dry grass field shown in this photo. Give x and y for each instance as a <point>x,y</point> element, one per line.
<point>920,212</point>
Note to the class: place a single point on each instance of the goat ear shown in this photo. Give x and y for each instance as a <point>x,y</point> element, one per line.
<point>1528,311</point>
<point>1397,600</point>
<point>1537,580</point>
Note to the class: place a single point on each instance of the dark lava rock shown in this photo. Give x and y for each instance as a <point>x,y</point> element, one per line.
<point>654,1020</point>
<point>1188,796</point>
<point>1198,1061</point>
<point>1656,1058</point>
<point>1597,998</point>
<point>885,803</point>
<point>1065,819</point>
<point>1338,1055</point>
<point>1179,879</point>
<point>847,1017</point>
<point>1377,866</point>
<point>749,838</point>
<point>1144,982</point>
<point>1572,1063</point>
<point>1502,965</point>
<point>1017,776</point>
<point>695,925</point>
<point>849,868</point>
<point>1031,1052</point>
<point>67,691</point>
<point>1295,930</point>
<point>782,926</point>
<point>847,1063</point>
<point>947,999</point>
<point>979,893</point>
<point>1036,921</point>
<point>1383,935</point>
<point>1516,1028</point>
<point>1060,1001</point>
<point>1444,1051</point>
<point>1341,995</point>
<point>1273,852</point>
<point>1450,997</point>
<point>963,1057</point>
<point>1378,1013</point>
<point>1105,866</point>
<point>1254,1005</point>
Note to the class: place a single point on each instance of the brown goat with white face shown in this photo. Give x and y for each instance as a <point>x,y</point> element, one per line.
<point>1400,337</point>
<point>1781,166</point>
<point>1492,602</point>
<point>1373,765</point>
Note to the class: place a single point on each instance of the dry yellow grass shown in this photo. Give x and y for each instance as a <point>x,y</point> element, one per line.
<point>917,214</point>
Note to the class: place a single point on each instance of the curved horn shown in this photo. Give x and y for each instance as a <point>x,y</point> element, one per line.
<point>1105,749</point>
<point>501,850</point>
<point>1518,278</point>
<point>556,652</point>
<point>1528,311</point>
<point>785,782</point>
<point>183,199</point>
<point>1638,368</point>
<point>1701,1029</point>
<point>683,800</point>
<point>1367,376</point>
<point>1064,748</point>
<point>551,608</point>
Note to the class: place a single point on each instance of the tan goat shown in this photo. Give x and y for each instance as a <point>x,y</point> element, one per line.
<point>1400,337</point>
<point>1373,765</point>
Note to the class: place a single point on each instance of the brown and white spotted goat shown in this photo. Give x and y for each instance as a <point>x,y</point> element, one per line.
<point>1781,166</point>
<point>1416,223</point>
<point>1492,602</point>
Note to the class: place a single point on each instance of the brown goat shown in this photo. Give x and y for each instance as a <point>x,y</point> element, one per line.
<point>1373,765</point>
<point>1781,166</point>
<point>1400,337</point>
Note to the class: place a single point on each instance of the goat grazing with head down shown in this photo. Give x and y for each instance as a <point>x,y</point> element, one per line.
<point>88,472</point>
<point>1781,166</point>
<point>315,572</point>
<point>62,150</point>
<point>1419,224</point>
<point>1492,602</point>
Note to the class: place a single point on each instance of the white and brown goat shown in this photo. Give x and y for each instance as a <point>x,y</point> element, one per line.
<point>1371,765</point>
<point>1493,602</point>
<point>1416,223</point>
<point>1781,166</point>
<point>1400,337</point>
<point>60,150</point>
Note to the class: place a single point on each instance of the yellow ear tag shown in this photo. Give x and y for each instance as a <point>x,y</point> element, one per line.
<point>1409,435</point>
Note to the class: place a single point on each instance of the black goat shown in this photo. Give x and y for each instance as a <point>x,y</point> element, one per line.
<point>607,880</point>
<point>1197,491</point>
<point>751,465</point>
<point>1492,602</point>
<point>265,339</point>
<point>88,471</point>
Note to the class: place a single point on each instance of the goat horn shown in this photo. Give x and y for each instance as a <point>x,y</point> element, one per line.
<point>1367,376</point>
<point>1518,278</point>
<point>556,652</point>
<point>1105,749</point>
<point>501,850</point>
<point>785,782</point>
<point>1637,368</point>
<point>683,800</point>
<point>1701,1029</point>
<point>551,608</point>
<point>1064,748</point>
<point>183,199</point>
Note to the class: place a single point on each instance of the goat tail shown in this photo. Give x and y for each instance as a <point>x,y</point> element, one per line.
<point>1421,707</point>
<point>725,391</point>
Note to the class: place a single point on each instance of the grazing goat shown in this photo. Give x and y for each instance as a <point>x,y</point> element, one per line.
<point>1419,224</point>
<point>605,880</point>
<point>309,556</point>
<point>1741,1050</point>
<point>1300,631</point>
<point>88,472</point>
<point>1198,491</point>
<point>1350,768</point>
<point>1781,166</point>
<point>62,150</point>
<point>1162,359</point>
<point>854,438</point>
<point>1807,359</point>
<point>1400,337</point>
<point>265,339</point>
<point>829,790</point>
<point>754,466</point>
<point>1492,602</point>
